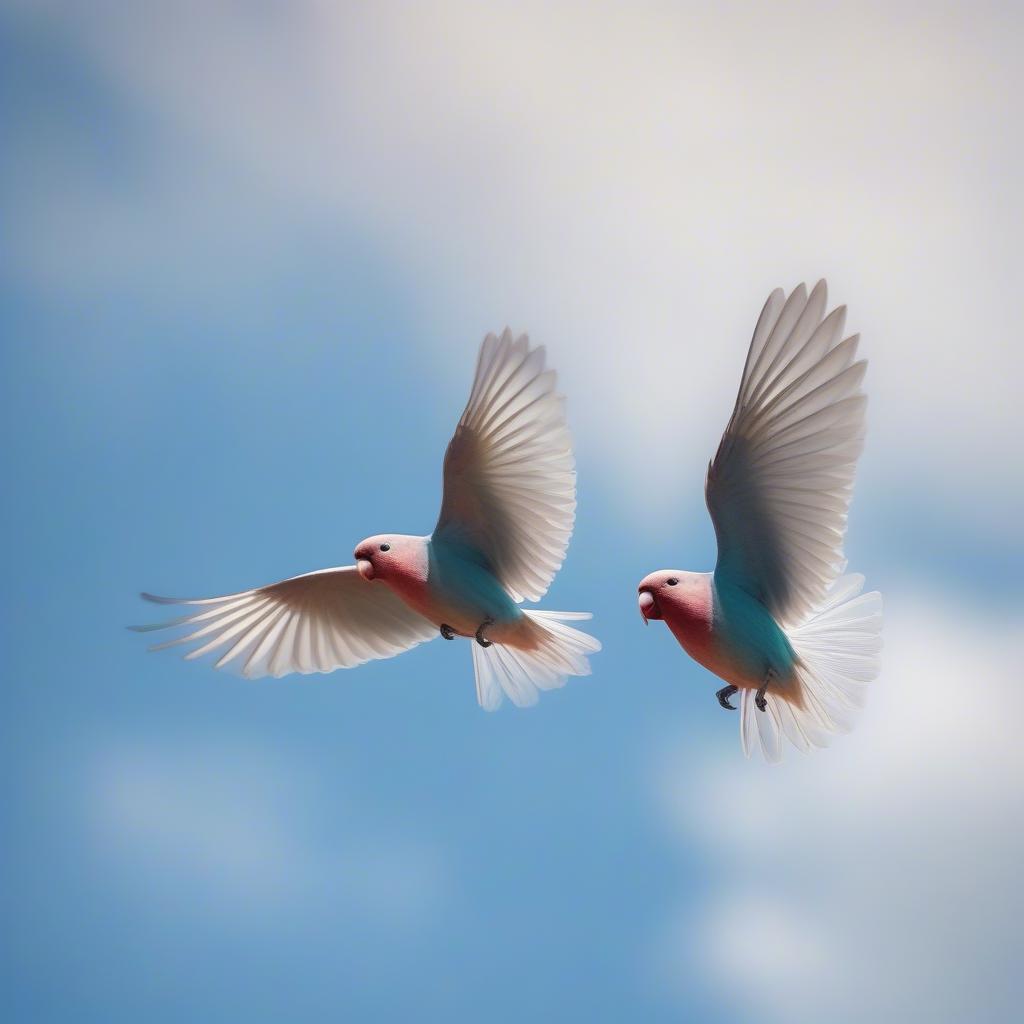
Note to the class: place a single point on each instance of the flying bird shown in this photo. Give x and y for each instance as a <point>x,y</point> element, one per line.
<point>507,513</point>
<point>777,620</point>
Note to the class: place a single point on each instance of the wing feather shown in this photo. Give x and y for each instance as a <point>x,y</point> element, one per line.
<point>509,473</point>
<point>316,622</point>
<point>779,487</point>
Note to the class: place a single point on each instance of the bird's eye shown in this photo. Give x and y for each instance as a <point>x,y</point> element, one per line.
<point>385,547</point>
<point>672,581</point>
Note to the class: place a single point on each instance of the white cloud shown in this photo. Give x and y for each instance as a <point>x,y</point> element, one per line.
<point>241,828</point>
<point>878,879</point>
<point>630,182</point>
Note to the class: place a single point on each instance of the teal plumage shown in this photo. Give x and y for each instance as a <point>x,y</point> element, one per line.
<point>460,574</point>
<point>745,627</point>
<point>776,620</point>
<point>507,514</point>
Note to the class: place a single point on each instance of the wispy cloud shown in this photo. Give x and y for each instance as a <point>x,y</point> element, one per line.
<point>249,829</point>
<point>627,183</point>
<point>876,880</point>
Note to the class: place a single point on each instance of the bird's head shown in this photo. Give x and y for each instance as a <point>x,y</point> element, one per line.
<point>389,555</point>
<point>670,590</point>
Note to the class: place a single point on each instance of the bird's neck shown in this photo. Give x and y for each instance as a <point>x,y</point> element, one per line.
<point>690,615</point>
<point>410,566</point>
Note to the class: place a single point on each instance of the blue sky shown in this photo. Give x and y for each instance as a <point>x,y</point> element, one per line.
<point>249,256</point>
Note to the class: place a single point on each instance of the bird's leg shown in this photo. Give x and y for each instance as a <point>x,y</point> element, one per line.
<point>480,632</point>
<point>447,632</point>
<point>723,696</point>
<point>762,704</point>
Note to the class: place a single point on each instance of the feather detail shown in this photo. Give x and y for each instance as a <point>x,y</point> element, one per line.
<point>509,476</point>
<point>561,651</point>
<point>837,652</point>
<point>316,622</point>
<point>779,487</point>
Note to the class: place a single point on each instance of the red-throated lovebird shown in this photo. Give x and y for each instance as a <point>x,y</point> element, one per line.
<point>776,619</point>
<point>507,514</point>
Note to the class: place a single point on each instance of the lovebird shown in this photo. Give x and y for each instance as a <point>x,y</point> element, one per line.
<point>507,514</point>
<point>777,620</point>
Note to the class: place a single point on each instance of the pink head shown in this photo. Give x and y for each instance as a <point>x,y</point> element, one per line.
<point>390,556</point>
<point>677,595</point>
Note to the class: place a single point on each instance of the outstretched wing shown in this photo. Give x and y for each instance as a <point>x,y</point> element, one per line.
<point>317,622</point>
<point>509,476</point>
<point>779,487</point>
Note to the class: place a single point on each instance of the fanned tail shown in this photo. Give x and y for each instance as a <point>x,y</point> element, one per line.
<point>561,652</point>
<point>837,652</point>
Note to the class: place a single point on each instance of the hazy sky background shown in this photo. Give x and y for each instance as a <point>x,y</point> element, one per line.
<point>249,252</point>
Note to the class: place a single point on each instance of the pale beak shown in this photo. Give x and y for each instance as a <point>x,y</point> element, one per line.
<point>647,607</point>
<point>365,567</point>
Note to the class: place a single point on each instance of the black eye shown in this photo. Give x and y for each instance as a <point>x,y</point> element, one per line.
<point>672,581</point>
<point>385,547</point>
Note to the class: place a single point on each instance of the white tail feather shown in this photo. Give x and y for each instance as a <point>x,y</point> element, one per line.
<point>520,674</point>
<point>837,656</point>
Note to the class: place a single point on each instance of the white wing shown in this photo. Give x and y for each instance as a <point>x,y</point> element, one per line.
<point>316,622</point>
<point>779,487</point>
<point>509,476</point>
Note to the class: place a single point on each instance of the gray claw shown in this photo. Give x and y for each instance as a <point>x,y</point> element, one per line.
<point>723,696</point>
<point>480,633</point>
<point>447,632</point>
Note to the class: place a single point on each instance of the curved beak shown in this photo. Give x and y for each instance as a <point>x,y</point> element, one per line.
<point>648,607</point>
<point>365,567</point>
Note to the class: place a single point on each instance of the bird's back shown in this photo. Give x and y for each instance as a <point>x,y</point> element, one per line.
<point>459,578</point>
<point>749,640</point>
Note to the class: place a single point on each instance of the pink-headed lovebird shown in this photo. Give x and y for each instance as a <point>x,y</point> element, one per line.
<point>776,620</point>
<point>507,513</point>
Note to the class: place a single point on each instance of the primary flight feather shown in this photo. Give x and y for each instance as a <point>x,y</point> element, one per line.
<point>506,517</point>
<point>776,620</point>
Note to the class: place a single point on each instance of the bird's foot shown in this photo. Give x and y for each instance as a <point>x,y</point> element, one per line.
<point>723,696</point>
<point>447,632</point>
<point>480,639</point>
<point>762,704</point>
